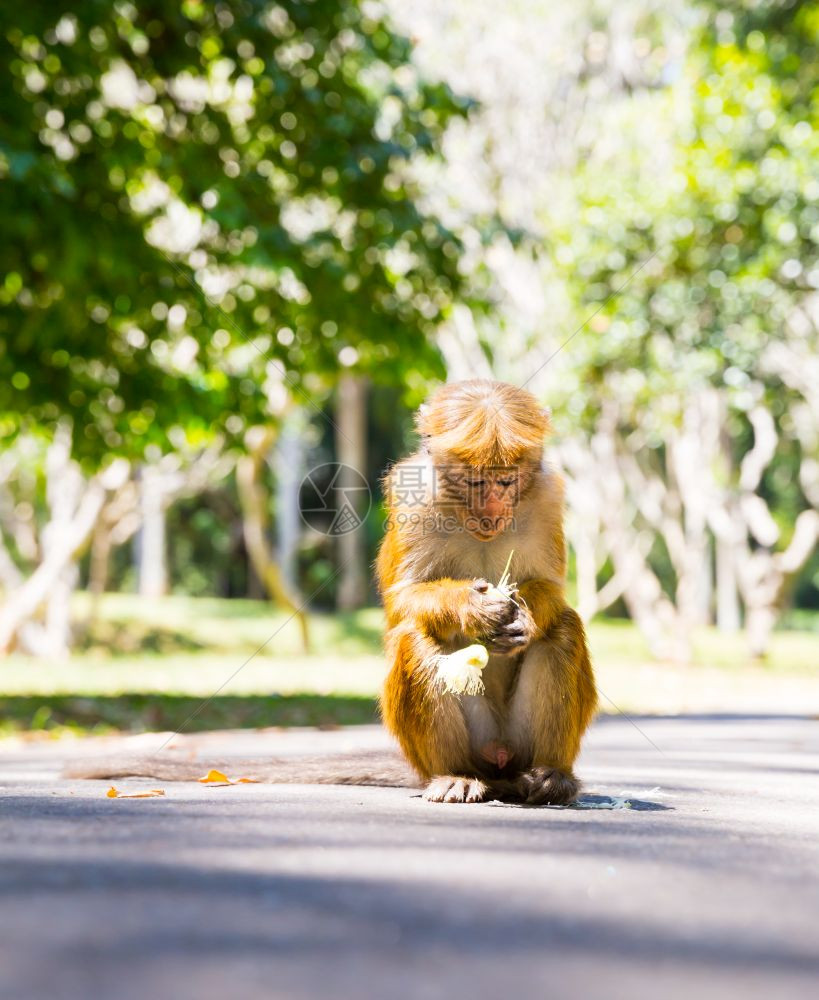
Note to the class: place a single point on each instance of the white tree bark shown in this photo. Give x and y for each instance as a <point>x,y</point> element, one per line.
<point>612,496</point>
<point>140,508</point>
<point>255,503</point>
<point>728,614</point>
<point>35,613</point>
<point>119,520</point>
<point>747,534</point>
<point>288,468</point>
<point>691,454</point>
<point>150,544</point>
<point>74,506</point>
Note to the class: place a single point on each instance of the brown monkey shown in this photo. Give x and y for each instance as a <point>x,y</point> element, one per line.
<point>476,490</point>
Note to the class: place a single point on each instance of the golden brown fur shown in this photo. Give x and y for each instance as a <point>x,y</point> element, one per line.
<point>483,423</point>
<point>522,736</point>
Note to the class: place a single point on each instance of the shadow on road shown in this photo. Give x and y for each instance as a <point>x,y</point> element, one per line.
<point>292,919</point>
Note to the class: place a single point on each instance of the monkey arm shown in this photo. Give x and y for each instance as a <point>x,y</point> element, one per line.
<point>545,600</point>
<point>438,607</point>
<point>441,609</point>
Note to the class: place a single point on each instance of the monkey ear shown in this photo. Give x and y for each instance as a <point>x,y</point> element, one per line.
<point>423,409</point>
<point>547,412</point>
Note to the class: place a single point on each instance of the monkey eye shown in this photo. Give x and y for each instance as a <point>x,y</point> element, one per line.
<point>478,482</point>
<point>506,482</point>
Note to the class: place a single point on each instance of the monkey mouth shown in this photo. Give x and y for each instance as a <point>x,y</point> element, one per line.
<point>485,528</point>
<point>488,529</point>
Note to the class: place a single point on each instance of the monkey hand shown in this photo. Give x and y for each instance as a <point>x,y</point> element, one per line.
<point>515,635</point>
<point>489,612</point>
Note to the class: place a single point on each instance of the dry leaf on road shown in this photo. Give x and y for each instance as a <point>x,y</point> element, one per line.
<point>151,793</point>
<point>217,778</point>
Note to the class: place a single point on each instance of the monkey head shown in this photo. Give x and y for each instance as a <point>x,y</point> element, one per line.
<point>485,440</point>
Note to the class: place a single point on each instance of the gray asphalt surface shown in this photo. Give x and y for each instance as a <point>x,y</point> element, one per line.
<point>707,887</point>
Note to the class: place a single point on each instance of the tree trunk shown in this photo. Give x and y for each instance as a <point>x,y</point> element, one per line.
<point>693,594</point>
<point>759,623</point>
<point>151,554</point>
<point>763,578</point>
<point>100,561</point>
<point>57,631</point>
<point>705,594</point>
<point>351,452</point>
<point>22,604</point>
<point>653,613</point>
<point>648,606</point>
<point>74,507</point>
<point>289,469</point>
<point>585,562</point>
<point>728,610</point>
<point>255,521</point>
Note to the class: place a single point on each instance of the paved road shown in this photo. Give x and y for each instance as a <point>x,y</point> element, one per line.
<point>707,887</point>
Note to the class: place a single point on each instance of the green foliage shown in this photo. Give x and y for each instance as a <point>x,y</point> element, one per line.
<point>688,241</point>
<point>198,197</point>
<point>701,237</point>
<point>97,715</point>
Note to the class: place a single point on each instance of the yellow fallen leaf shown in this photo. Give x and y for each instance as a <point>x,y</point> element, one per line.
<point>151,793</point>
<point>215,777</point>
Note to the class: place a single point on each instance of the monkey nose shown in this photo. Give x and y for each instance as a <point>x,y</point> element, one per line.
<point>492,510</point>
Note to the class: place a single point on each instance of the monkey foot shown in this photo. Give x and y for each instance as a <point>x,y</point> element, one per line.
<point>451,789</point>
<point>541,786</point>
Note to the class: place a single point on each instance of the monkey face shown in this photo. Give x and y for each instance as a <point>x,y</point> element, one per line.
<point>484,498</point>
<point>493,496</point>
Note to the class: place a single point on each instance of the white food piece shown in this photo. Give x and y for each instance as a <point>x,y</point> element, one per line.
<point>460,672</point>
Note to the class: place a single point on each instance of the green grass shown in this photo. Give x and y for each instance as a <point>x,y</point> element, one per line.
<point>60,715</point>
<point>206,663</point>
<point>617,641</point>
<point>200,663</point>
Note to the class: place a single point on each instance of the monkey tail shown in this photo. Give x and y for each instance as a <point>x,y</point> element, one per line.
<point>377,768</point>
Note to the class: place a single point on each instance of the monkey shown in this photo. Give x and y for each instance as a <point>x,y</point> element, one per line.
<point>475,490</point>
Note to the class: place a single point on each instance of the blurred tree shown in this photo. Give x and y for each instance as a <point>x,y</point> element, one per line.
<point>705,276</point>
<point>204,206</point>
<point>666,154</point>
<point>192,191</point>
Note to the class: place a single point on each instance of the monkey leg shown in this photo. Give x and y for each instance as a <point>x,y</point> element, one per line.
<point>550,708</point>
<point>428,722</point>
